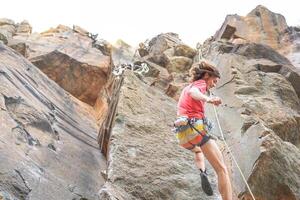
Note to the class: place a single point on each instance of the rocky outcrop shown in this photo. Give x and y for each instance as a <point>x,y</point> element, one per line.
<point>80,30</point>
<point>282,65</point>
<point>48,138</point>
<point>265,27</point>
<point>24,28</point>
<point>292,51</point>
<point>7,29</point>
<point>277,159</point>
<point>260,117</point>
<point>259,26</point>
<point>144,159</point>
<point>164,47</point>
<point>169,60</point>
<point>69,57</point>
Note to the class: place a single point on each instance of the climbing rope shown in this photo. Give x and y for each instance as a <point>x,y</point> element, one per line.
<point>200,57</point>
<point>231,154</point>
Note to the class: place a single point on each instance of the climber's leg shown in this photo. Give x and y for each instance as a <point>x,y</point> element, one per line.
<point>214,156</point>
<point>199,158</point>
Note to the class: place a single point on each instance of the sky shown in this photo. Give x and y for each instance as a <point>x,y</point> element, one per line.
<point>135,21</point>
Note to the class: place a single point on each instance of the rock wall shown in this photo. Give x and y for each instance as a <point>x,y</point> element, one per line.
<point>260,26</point>
<point>48,130</point>
<point>260,116</point>
<point>67,56</point>
<point>48,138</point>
<point>144,159</point>
<point>169,60</point>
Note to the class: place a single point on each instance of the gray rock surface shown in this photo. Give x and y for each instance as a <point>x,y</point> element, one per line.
<point>68,57</point>
<point>48,146</point>
<point>260,117</point>
<point>260,26</point>
<point>145,161</point>
<point>48,138</point>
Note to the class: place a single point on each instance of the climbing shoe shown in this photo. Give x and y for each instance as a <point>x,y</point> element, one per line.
<point>205,183</point>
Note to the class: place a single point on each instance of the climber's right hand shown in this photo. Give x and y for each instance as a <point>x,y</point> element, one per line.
<point>215,100</point>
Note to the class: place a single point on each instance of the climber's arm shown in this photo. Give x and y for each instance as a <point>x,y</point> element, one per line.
<point>198,95</point>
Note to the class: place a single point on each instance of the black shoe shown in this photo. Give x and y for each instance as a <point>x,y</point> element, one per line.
<point>205,183</point>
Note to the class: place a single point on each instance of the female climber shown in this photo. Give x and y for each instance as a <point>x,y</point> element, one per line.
<point>191,126</point>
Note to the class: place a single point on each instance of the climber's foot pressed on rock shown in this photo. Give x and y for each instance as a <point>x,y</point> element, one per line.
<point>205,183</point>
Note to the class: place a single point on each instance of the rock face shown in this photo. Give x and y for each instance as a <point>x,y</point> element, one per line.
<point>259,26</point>
<point>24,28</point>
<point>68,57</point>
<point>280,64</point>
<point>7,29</point>
<point>266,168</point>
<point>293,52</point>
<point>264,27</point>
<point>48,138</point>
<point>260,117</point>
<point>122,53</point>
<point>145,161</point>
<point>169,60</point>
<point>164,47</point>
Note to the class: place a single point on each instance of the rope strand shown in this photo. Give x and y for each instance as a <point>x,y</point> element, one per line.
<point>230,152</point>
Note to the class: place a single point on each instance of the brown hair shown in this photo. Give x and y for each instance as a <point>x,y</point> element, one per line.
<point>199,69</point>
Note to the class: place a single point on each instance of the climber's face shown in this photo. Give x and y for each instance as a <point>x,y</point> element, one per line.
<point>211,81</point>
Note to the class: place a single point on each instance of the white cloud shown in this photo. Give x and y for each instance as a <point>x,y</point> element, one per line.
<point>136,20</point>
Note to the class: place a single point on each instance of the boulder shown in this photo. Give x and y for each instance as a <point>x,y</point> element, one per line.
<point>168,58</point>
<point>160,46</point>
<point>159,59</point>
<point>162,42</point>
<point>184,50</point>
<point>24,28</point>
<point>179,64</point>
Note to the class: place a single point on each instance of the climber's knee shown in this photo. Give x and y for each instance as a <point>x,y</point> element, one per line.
<point>196,149</point>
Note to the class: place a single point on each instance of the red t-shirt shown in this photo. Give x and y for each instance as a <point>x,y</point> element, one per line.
<point>187,106</point>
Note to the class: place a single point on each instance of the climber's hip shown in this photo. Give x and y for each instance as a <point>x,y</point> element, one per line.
<point>191,134</point>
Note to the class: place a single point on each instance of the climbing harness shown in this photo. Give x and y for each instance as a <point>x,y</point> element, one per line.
<point>207,126</point>
<point>200,57</point>
<point>183,121</point>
